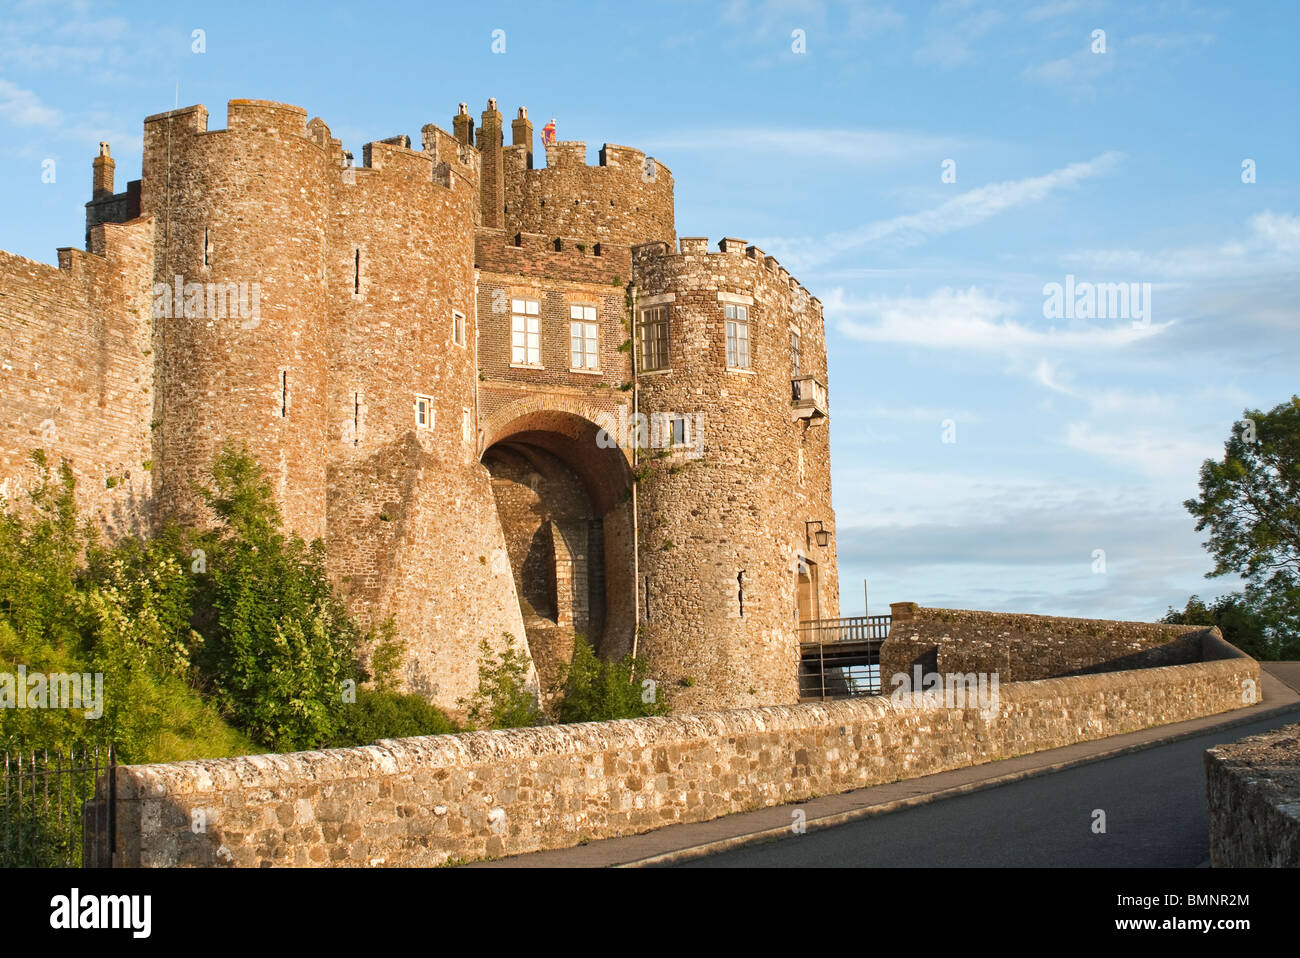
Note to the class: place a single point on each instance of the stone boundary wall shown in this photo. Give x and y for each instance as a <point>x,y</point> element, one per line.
<point>427,801</point>
<point>1026,647</point>
<point>1253,790</point>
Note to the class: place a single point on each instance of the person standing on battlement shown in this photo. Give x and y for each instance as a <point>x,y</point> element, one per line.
<point>548,133</point>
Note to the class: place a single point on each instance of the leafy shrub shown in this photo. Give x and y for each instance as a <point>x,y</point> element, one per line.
<point>383,714</point>
<point>595,690</point>
<point>504,698</point>
<point>278,642</point>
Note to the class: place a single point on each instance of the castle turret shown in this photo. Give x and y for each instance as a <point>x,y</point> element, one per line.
<point>240,219</point>
<point>731,373</point>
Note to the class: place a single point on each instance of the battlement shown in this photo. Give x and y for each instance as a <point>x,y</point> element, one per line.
<point>692,247</point>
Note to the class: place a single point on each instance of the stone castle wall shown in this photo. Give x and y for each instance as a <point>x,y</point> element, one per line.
<point>622,200</point>
<point>428,801</point>
<point>723,534</point>
<point>77,373</point>
<point>1022,648</point>
<point>346,297</point>
<point>1253,791</point>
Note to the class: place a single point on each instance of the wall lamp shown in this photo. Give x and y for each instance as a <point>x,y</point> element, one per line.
<point>822,536</point>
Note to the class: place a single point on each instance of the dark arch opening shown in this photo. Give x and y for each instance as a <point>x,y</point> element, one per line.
<point>565,509</point>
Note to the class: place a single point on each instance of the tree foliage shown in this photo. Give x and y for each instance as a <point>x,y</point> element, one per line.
<point>1250,500</point>
<point>1249,503</point>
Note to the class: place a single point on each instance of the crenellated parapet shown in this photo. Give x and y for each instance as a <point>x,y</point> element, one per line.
<point>625,198</point>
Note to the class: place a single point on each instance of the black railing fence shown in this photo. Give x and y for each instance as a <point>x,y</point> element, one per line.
<point>47,815</point>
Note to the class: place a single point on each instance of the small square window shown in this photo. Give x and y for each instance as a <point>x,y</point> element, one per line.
<point>680,432</point>
<point>458,327</point>
<point>423,412</point>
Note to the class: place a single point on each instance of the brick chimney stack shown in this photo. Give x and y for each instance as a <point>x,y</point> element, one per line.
<point>462,124</point>
<point>104,166</point>
<point>521,130</point>
<point>492,185</point>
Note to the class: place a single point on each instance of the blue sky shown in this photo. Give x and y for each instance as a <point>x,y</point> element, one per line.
<point>1122,166</point>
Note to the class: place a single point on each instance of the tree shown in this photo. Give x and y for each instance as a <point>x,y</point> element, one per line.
<point>1250,501</point>
<point>1250,504</point>
<point>278,643</point>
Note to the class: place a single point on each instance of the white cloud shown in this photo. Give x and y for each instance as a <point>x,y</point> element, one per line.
<point>24,108</point>
<point>962,211</point>
<point>1268,247</point>
<point>966,319</point>
<point>1153,453</point>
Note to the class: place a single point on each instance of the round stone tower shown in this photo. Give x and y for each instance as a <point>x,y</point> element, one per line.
<point>240,299</point>
<point>735,485</point>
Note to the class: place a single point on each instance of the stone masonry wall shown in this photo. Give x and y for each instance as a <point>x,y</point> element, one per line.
<point>428,801</point>
<point>1026,647</point>
<point>76,372</point>
<point>621,200</point>
<point>1253,790</point>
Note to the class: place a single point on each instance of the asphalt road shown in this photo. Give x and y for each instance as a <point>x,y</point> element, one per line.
<point>1153,800</point>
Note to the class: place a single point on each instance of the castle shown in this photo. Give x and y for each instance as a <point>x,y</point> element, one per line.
<point>508,398</point>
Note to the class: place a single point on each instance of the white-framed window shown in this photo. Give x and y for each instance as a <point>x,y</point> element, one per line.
<point>794,354</point>
<point>423,412</point>
<point>737,336</point>
<point>458,327</point>
<point>584,338</point>
<point>653,335</point>
<point>525,333</point>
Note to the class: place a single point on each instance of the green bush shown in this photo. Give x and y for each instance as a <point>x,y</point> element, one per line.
<point>382,714</point>
<point>278,642</point>
<point>503,698</point>
<point>594,690</point>
<point>122,615</point>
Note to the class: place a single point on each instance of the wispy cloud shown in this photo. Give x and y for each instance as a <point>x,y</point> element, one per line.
<point>1155,453</point>
<point>1268,246</point>
<point>961,212</point>
<point>968,319</point>
<point>951,32</point>
<point>24,108</point>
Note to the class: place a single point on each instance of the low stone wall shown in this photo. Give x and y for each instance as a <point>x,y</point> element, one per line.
<point>1026,647</point>
<point>1253,790</point>
<point>425,801</point>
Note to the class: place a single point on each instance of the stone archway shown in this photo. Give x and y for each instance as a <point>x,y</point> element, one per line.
<point>564,505</point>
